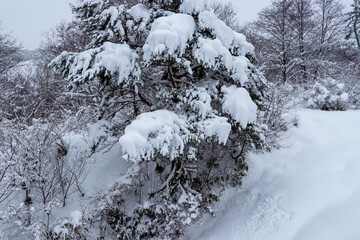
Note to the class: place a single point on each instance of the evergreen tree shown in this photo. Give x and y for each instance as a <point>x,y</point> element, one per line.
<point>180,95</point>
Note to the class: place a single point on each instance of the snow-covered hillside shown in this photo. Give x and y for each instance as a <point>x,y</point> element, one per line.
<point>309,190</point>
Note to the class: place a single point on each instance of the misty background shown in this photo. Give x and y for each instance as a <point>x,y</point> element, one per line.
<point>28,20</point>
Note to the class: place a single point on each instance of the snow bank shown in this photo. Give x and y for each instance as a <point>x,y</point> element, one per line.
<point>237,102</point>
<point>169,35</point>
<point>310,190</point>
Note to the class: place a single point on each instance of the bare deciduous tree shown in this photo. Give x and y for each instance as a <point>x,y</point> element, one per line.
<point>8,160</point>
<point>299,40</point>
<point>69,169</point>
<point>274,25</point>
<point>9,52</point>
<point>302,20</point>
<point>226,12</point>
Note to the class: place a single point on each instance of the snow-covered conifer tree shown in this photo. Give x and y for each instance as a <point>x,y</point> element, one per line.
<point>187,96</point>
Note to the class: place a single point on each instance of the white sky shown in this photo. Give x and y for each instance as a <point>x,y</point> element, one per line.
<point>27,20</point>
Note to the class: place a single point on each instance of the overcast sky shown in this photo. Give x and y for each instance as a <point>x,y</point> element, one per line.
<point>27,20</point>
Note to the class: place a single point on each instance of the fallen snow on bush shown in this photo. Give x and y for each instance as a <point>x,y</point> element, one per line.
<point>327,94</point>
<point>218,127</point>
<point>169,35</point>
<point>232,40</point>
<point>237,102</point>
<point>140,12</point>
<point>159,131</point>
<point>211,51</point>
<point>227,49</point>
<point>110,58</point>
<point>191,6</point>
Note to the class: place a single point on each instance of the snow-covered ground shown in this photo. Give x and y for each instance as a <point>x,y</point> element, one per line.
<point>307,191</point>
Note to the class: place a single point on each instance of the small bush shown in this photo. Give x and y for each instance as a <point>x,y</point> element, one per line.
<point>328,95</point>
<point>280,111</point>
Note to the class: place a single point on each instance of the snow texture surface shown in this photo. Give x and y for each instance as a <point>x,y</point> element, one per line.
<point>226,50</point>
<point>160,130</point>
<point>111,58</point>
<point>116,58</point>
<point>191,6</point>
<point>169,35</point>
<point>238,103</point>
<point>140,12</point>
<point>217,126</point>
<point>141,15</point>
<point>309,190</point>
<point>230,39</point>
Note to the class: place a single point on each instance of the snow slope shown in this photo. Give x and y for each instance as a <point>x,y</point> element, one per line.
<point>307,191</point>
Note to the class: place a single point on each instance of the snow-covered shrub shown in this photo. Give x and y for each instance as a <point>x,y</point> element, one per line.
<point>153,220</point>
<point>279,113</point>
<point>42,168</point>
<point>352,87</point>
<point>327,94</point>
<point>181,97</point>
<point>74,228</point>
